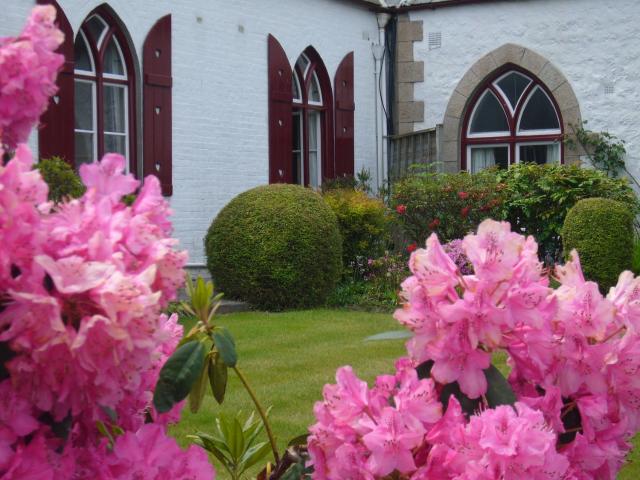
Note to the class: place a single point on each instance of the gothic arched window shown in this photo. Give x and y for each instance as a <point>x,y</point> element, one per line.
<point>104,91</point>
<point>513,118</point>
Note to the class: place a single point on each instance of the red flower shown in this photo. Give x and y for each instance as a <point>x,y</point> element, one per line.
<point>401,209</point>
<point>412,247</point>
<point>434,223</point>
<point>463,195</point>
<point>464,213</point>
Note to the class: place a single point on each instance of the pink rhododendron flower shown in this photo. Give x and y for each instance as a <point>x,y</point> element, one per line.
<point>574,357</point>
<point>28,70</point>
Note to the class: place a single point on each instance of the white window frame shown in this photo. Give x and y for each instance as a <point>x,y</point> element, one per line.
<point>487,145</point>
<point>524,144</point>
<point>299,88</point>
<point>512,108</point>
<point>314,79</point>
<point>298,113</point>
<point>533,133</point>
<point>114,76</point>
<point>94,115</point>
<point>91,59</point>
<point>318,149</point>
<point>126,117</point>
<point>504,133</point>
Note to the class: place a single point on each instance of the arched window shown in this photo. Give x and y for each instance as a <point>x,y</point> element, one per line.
<point>104,91</point>
<point>311,113</point>
<point>513,118</point>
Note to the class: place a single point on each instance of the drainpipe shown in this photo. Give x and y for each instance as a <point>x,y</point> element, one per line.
<point>380,79</point>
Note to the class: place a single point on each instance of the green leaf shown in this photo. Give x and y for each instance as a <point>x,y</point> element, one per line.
<point>254,454</point>
<point>236,440</point>
<point>226,346</point>
<point>499,391</point>
<point>196,395</point>
<point>218,377</point>
<point>393,335</point>
<point>178,375</point>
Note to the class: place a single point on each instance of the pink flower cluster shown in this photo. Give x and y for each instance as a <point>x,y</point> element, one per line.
<point>574,356</point>
<point>82,286</point>
<point>28,70</point>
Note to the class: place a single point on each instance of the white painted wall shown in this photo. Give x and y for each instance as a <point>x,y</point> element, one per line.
<point>220,104</point>
<point>593,42</point>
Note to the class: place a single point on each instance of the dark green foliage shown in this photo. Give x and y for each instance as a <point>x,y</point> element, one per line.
<point>601,230</point>
<point>538,197</point>
<point>452,205</point>
<point>364,225</point>
<point>63,182</point>
<point>178,375</point>
<point>276,247</point>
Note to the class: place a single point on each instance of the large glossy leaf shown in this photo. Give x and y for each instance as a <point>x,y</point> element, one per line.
<point>393,335</point>
<point>196,395</point>
<point>226,346</point>
<point>178,375</point>
<point>218,377</point>
<point>499,391</point>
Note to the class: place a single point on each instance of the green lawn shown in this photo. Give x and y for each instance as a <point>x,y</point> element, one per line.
<point>288,357</point>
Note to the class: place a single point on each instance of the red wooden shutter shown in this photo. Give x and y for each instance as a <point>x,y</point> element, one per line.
<point>280,114</point>
<point>344,113</point>
<point>56,135</point>
<point>158,150</point>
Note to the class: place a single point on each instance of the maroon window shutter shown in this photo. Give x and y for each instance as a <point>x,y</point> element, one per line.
<point>55,134</point>
<point>157,143</point>
<point>280,115</point>
<point>344,113</point>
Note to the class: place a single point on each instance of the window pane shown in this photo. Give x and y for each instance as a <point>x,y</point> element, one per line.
<point>315,177</point>
<point>114,108</point>
<point>295,86</point>
<point>314,90</point>
<point>487,157</point>
<point>83,105</point>
<point>540,154</point>
<point>303,63</point>
<point>115,144</point>
<point>513,85</point>
<point>96,27</point>
<point>82,56</point>
<point>539,113</point>
<point>84,148</point>
<point>489,116</point>
<point>113,63</point>
<point>297,148</point>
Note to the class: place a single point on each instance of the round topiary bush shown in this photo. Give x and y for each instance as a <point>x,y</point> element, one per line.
<point>276,247</point>
<point>601,230</point>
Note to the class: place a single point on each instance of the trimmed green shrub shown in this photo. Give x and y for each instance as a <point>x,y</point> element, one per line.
<point>451,205</point>
<point>364,226</point>
<point>276,247</point>
<point>63,182</point>
<point>538,197</point>
<point>601,230</point>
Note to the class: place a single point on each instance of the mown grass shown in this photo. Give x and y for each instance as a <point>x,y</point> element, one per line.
<point>288,357</point>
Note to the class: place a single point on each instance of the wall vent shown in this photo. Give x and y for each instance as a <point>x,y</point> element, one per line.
<point>609,88</point>
<point>435,40</point>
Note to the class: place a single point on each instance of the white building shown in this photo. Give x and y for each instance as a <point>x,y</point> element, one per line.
<point>216,97</point>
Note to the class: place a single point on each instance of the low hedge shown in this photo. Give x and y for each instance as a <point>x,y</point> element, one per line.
<point>601,230</point>
<point>537,199</point>
<point>276,247</point>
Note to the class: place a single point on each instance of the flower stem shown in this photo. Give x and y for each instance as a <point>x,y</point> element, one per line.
<point>262,413</point>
